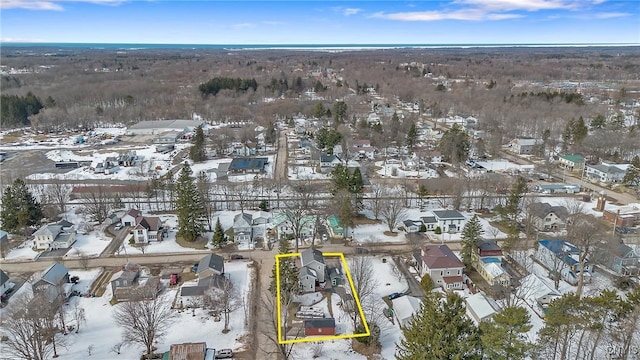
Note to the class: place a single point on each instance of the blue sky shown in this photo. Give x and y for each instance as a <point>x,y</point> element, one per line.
<point>321,22</point>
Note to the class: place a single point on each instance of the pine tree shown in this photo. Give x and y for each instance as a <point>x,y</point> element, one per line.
<point>197,151</point>
<point>20,209</point>
<point>218,235</point>
<point>412,136</point>
<point>189,206</point>
<point>505,337</point>
<point>356,187</point>
<point>454,144</point>
<point>580,131</point>
<point>632,177</point>
<point>289,284</point>
<point>440,330</point>
<point>471,234</point>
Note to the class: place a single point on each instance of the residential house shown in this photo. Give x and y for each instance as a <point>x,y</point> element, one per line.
<point>560,256</point>
<point>335,228</point>
<point>362,149</point>
<point>147,229</point>
<point>52,283</point>
<point>571,162</point>
<point>486,258</point>
<point>128,284</point>
<point>545,217</point>
<point>5,284</point>
<point>129,218</point>
<point>451,221</point>
<point>261,218</point>
<point>247,165</point>
<point>621,258</point>
<point>212,264</point>
<point>328,162</point>
<point>325,326</point>
<point>285,228</point>
<point>442,265</point>
<point>538,293</point>
<point>111,219</point>
<point>54,236</point>
<point>195,295</point>
<point>190,351</point>
<point>605,172</point>
<point>312,269</point>
<point>481,307</point>
<point>246,149</point>
<point>242,227</point>
<point>404,308</point>
<point>412,226</point>
<point>523,146</point>
<point>429,222</point>
<point>373,119</point>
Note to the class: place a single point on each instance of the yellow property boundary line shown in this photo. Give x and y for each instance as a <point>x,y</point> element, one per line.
<point>321,338</point>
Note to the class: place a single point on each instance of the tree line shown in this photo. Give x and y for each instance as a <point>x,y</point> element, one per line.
<point>215,85</point>
<point>15,110</point>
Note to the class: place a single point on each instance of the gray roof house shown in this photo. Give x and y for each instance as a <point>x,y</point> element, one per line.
<point>55,236</point>
<point>194,295</point>
<point>51,283</point>
<point>4,282</point>
<point>450,220</point>
<point>242,227</point>
<point>620,258</point>
<point>127,284</point>
<point>545,217</point>
<point>212,264</point>
<point>313,259</point>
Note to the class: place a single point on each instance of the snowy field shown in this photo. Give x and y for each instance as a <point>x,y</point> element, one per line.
<point>101,332</point>
<point>306,172</point>
<point>387,170</point>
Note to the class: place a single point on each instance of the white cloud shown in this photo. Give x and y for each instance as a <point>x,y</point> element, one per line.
<point>477,10</point>
<point>611,15</point>
<point>351,11</point>
<point>241,26</point>
<point>49,4</point>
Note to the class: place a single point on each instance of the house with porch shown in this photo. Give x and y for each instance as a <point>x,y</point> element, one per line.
<point>486,258</point>
<point>312,273</point>
<point>52,236</point>
<point>606,172</point>
<point>145,228</point>
<point>195,294</point>
<point>442,265</point>
<point>450,221</point>
<point>52,283</point>
<point>562,257</point>
<point>243,227</point>
<point>129,284</point>
<point>545,217</point>
<point>621,258</point>
<point>285,228</point>
<point>571,162</point>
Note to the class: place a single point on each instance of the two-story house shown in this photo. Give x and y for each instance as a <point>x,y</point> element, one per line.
<point>561,256</point>
<point>524,146</point>
<point>362,149</point>
<point>285,228</point>
<point>328,162</point>
<point>545,217</point>
<point>571,162</point>
<point>145,228</point>
<point>605,172</point>
<point>486,258</point>
<point>129,284</point>
<point>312,270</point>
<point>52,283</point>
<point>442,265</point>
<point>621,258</point>
<point>451,221</point>
<point>242,227</point>
<point>60,235</point>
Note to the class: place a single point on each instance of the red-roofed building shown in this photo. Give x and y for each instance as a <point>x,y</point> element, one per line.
<point>442,265</point>
<point>144,228</point>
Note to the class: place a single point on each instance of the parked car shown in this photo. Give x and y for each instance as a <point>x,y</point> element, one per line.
<point>224,354</point>
<point>118,227</point>
<point>174,279</point>
<point>395,295</point>
<point>194,268</point>
<point>325,237</point>
<point>237,257</point>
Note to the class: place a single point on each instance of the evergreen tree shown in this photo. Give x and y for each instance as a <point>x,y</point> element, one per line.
<point>440,330</point>
<point>318,110</point>
<point>471,234</point>
<point>189,206</point>
<point>356,187</point>
<point>218,235</point>
<point>412,136</point>
<point>339,111</point>
<point>632,177</point>
<point>454,144</point>
<point>511,210</point>
<point>505,337</point>
<point>598,122</point>
<point>197,151</point>
<point>341,178</point>
<point>289,284</point>
<point>20,209</point>
<point>394,127</point>
<point>579,131</point>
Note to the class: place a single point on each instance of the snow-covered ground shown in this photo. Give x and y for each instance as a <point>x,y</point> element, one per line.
<point>306,172</point>
<point>101,332</point>
<point>387,170</point>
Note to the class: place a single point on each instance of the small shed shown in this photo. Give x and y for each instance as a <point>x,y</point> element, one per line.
<point>326,326</point>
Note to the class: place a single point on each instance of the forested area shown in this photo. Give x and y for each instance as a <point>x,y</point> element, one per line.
<point>513,92</point>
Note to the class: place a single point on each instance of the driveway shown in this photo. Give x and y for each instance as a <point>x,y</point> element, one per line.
<point>415,289</point>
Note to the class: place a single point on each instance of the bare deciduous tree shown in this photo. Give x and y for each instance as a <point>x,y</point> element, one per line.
<point>224,300</point>
<point>96,203</point>
<point>393,210</point>
<point>364,283</point>
<point>144,321</point>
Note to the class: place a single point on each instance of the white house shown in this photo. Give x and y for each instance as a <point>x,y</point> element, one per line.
<point>605,172</point>
<point>404,308</point>
<point>412,226</point>
<point>147,229</point>
<point>329,161</point>
<point>537,292</point>
<point>242,227</point>
<point>55,236</point>
<point>442,265</point>
<point>561,256</point>
<point>284,227</point>
<point>545,217</point>
<point>129,218</point>
<point>523,146</point>
<point>451,221</point>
